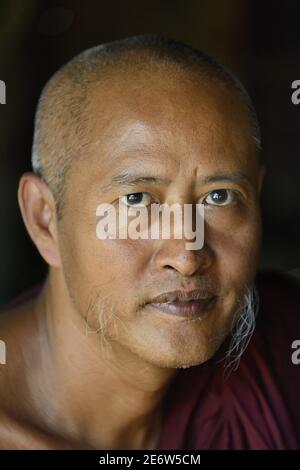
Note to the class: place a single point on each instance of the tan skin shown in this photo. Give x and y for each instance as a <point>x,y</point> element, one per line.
<point>65,388</point>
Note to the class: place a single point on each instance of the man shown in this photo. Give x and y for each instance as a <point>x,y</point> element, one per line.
<point>122,346</point>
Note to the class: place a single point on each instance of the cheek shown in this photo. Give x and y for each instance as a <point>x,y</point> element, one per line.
<point>124,261</point>
<point>85,262</point>
<point>111,267</point>
<point>236,243</point>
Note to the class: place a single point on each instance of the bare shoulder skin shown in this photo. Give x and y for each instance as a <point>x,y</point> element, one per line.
<point>19,426</point>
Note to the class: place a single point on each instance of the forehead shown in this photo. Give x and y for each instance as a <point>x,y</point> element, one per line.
<point>164,120</point>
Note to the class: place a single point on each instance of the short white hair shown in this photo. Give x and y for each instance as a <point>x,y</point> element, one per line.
<point>58,131</point>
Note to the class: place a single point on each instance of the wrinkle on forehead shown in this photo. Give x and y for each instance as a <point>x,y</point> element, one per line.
<point>143,140</point>
<point>178,125</point>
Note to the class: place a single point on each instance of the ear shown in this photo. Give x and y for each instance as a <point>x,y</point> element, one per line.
<point>261,174</point>
<point>39,214</point>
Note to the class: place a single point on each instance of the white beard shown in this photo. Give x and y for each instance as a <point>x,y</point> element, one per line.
<point>242,330</point>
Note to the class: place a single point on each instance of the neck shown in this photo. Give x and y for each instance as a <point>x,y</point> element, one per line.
<point>96,392</point>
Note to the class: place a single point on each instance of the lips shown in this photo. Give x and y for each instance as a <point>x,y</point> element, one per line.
<point>183,295</point>
<point>192,308</point>
<point>195,303</point>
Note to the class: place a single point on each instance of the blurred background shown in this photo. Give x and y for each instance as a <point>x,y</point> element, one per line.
<point>259,41</point>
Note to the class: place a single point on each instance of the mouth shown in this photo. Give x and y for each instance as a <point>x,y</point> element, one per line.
<point>192,304</point>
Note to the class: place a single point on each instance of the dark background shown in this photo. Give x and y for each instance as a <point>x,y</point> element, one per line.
<point>258,40</point>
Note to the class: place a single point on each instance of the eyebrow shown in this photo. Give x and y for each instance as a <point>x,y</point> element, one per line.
<point>238,176</point>
<point>129,179</point>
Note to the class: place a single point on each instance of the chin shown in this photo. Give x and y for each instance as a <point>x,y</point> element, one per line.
<point>180,360</point>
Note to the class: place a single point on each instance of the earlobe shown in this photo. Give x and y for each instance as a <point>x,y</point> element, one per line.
<point>38,211</point>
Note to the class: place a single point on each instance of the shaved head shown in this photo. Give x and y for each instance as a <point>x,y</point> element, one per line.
<point>64,119</point>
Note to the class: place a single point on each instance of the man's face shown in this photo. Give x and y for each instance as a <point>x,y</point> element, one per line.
<point>196,140</point>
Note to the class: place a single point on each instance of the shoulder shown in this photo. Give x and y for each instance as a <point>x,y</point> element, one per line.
<point>19,434</point>
<point>20,335</point>
<point>17,330</point>
<point>17,338</point>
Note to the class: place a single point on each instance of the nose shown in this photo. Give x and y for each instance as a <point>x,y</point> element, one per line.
<point>173,255</point>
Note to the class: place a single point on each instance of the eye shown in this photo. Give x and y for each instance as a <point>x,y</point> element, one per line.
<point>136,199</point>
<point>219,197</point>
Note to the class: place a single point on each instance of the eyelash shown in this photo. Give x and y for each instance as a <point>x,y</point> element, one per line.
<point>136,205</point>
<point>232,195</point>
